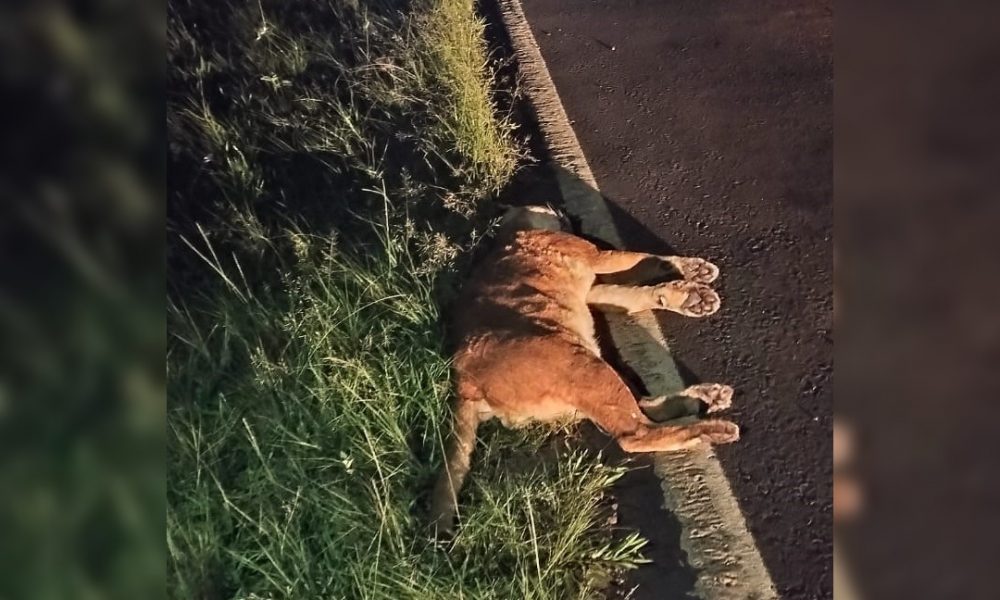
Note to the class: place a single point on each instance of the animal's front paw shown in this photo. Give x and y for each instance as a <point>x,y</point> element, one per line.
<point>687,298</point>
<point>694,269</point>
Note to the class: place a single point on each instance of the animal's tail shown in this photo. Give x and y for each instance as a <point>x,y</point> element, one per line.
<point>445,499</point>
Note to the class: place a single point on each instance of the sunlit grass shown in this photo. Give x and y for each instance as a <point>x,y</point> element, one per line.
<point>305,431</point>
<point>308,380</point>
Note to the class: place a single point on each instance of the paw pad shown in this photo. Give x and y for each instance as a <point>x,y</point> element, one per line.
<point>697,270</point>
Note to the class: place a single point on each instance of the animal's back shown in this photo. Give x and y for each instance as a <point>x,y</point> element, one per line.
<point>524,327</point>
<point>535,283</point>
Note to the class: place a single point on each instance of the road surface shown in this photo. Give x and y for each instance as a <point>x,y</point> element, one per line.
<point>709,125</point>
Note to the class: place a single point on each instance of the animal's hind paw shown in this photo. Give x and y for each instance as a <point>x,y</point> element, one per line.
<point>716,396</point>
<point>718,432</point>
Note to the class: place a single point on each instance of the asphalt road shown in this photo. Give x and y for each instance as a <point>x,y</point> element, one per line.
<point>709,125</point>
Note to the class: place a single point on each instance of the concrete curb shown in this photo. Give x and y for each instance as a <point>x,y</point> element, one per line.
<point>714,532</point>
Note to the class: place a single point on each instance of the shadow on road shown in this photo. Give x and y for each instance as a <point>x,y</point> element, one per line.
<point>638,494</point>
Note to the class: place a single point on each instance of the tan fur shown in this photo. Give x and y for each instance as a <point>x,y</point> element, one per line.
<point>527,349</point>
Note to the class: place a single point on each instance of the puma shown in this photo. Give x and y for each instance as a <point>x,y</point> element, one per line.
<point>526,347</point>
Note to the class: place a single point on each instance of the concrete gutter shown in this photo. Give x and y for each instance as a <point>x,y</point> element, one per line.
<point>714,534</point>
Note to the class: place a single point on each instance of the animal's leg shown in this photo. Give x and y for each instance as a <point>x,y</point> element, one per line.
<point>684,297</point>
<point>665,438</point>
<point>713,396</point>
<point>444,501</point>
<point>607,401</point>
<point>634,432</point>
<point>613,261</point>
<point>690,268</point>
<point>629,297</point>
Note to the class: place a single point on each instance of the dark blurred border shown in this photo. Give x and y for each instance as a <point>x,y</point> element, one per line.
<point>82,337</point>
<point>917,208</point>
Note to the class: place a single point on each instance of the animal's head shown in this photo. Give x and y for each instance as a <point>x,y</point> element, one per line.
<point>517,218</point>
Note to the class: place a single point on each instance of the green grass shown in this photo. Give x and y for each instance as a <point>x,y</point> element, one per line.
<point>331,165</point>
